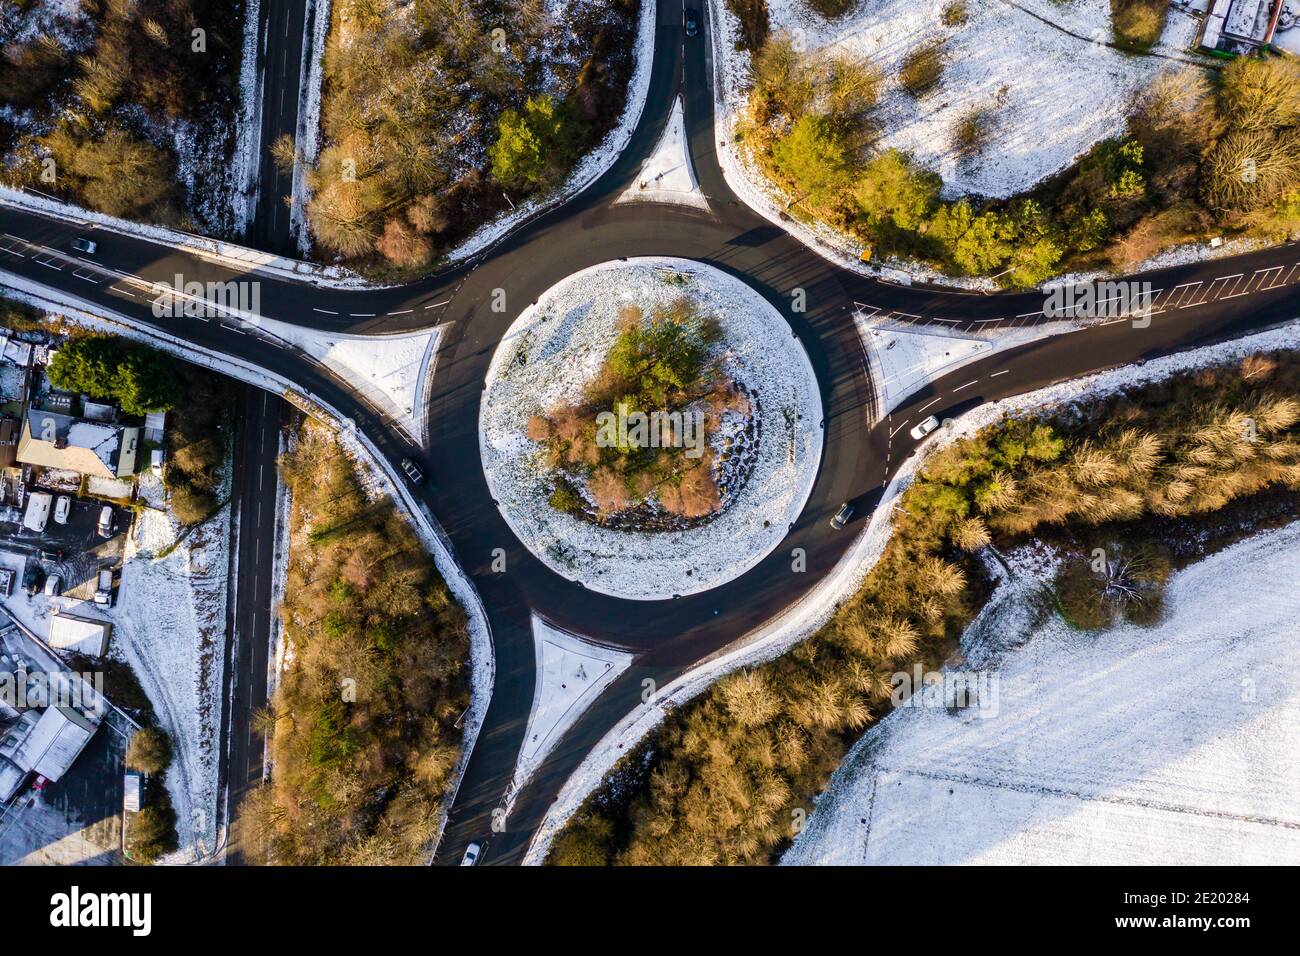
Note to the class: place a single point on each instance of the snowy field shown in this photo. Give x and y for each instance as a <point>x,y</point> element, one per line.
<point>170,626</point>
<point>1053,88</point>
<point>1178,744</point>
<point>557,345</point>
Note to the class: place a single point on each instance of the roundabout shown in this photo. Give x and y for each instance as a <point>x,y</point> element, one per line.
<point>671,495</point>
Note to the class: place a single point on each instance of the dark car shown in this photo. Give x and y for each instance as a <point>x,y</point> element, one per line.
<point>412,471</point>
<point>842,516</point>
<point>692,22</point>
<point>32,579</point>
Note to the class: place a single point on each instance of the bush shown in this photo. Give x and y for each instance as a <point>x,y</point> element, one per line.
<point>922,69</point>
<point>955,13</point>
<point>150,751</point>
<point>831,9</point>
<point>754,24</point>
<point>532,146</point>
<point>153,829</point>
<point>138,378</point>
<point>1138,23</point>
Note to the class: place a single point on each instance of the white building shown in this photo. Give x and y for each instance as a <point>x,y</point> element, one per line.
<point>80,635</point>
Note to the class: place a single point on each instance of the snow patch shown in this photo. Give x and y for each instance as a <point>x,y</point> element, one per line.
<point>667,175</point>
<point>572,672</point>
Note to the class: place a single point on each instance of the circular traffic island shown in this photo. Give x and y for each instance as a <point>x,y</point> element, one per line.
<point>650,428</point>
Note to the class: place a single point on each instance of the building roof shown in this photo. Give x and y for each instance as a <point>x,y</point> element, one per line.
<point>54,440</point>
<point>53,743</point>
<point>11,778</point>
<point>81,635</point>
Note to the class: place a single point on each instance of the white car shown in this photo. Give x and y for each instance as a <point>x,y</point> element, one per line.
<point>923,429</point>
<point>156,462</point>
<point>471,855</point>
<point>62,506</point>
<point>84,245</point>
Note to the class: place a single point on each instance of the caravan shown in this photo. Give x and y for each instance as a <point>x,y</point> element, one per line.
<point>38,511</point>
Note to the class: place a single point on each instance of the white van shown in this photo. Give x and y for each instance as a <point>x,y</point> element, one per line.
<point>38,511</point>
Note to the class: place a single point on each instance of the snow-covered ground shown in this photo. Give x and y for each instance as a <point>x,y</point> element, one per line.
<point>905,357</point>
<point>667,175</point>
<point>1053,88</point>
<point>1178,744</point>
<point>558,345</point>
<point>392,372</point>
<point>571,673</point>
<point>170,627</point>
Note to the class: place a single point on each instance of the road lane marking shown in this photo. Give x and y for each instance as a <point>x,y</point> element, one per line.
<point>967,385</point>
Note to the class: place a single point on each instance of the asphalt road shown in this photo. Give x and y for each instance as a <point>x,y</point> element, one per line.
<point>280,47</point>
<point>1206,302</point>
<point>249,613</point>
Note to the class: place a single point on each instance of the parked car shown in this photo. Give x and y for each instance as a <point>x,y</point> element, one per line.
<point>692,22</point>
<point>62,508</point>
<point>106,523</point>
<point>412,471</point>
<point>32,579</point>
<point>84,245</point>
<point>53,586</point>
<point>37,515</point>
<point>842,516</point>
<point>471,855</point>
<point>104,588</point>
<point>156,461</point>
<point>6,582</point>
<point>923,429</point>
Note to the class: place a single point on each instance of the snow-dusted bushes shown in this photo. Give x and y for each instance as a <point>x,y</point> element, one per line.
<point>433,110</point>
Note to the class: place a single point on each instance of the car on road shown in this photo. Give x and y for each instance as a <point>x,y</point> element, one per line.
<point>471,855</point>
<point>32,579</point>
<point>106,525</point>
<point>842,516</point>
<point>692,18</point>
<point>53,586</point>
<point>82,244</point>
<point>412,471</point>
<point>923,429</point>
<point>62,507</point>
